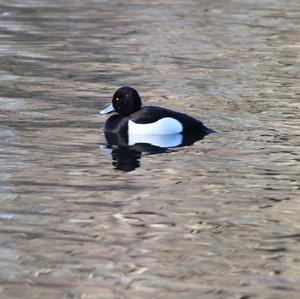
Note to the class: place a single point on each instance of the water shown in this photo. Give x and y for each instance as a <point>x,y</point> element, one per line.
<point>218,219</point>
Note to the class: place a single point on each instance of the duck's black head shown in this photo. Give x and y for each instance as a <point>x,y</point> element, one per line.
<point>125,101</point>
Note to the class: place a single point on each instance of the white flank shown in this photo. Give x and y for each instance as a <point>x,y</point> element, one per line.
<point>164,126</point>
<point>170,140</point>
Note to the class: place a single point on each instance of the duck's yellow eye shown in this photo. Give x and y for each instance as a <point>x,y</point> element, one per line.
<point>117,99</point>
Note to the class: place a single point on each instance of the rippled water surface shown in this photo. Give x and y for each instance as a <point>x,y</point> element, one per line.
<point>218,219</point>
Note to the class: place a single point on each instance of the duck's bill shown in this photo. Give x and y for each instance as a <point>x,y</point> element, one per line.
<point>107,110</point>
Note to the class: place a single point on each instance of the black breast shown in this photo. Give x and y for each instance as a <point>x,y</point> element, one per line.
<point>116,124</point>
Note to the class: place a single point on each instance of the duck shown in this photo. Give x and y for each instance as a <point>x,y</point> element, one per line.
<point>132,118</point>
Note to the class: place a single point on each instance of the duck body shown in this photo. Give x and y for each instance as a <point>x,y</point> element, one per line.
<point>154,120</point>
<point>133,119</point>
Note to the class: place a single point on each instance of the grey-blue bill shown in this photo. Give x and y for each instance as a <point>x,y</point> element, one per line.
<point>107,110</point>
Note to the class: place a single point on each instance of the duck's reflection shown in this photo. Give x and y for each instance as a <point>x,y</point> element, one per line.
<point>126,151</point>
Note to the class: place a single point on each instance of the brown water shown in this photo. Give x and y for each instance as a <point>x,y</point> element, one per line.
<point>218,219</point>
